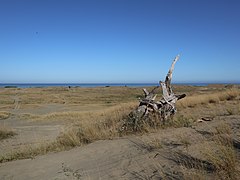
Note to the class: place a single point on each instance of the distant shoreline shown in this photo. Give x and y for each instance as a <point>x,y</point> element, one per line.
<point>89,85</point>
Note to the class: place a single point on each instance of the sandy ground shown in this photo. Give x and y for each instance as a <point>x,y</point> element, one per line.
<point>35,132</point>
<point>125,158</point>
<point>29,132</point>
<point>132,157</point>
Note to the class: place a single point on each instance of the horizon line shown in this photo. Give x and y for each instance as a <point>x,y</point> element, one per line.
<point>183,82</point>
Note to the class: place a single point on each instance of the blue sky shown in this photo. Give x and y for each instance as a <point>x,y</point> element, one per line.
<point>96,41</point>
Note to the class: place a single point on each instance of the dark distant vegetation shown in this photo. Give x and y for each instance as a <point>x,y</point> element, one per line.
<point>10,86</point>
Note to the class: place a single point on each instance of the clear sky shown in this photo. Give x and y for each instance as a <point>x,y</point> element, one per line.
<point>96,41</point>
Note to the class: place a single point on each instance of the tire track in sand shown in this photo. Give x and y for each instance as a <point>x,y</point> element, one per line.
<point>16,102</point>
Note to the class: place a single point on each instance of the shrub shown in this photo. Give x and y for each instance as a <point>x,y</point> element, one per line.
<point>6,133</point>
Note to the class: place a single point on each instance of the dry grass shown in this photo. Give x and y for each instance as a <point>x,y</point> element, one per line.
<point>6,133</point>
<point>107,96</point>
<point>223,156</point>
<point>155,143</point>
<point>63,95</point>
<point>96,126</point>
<point>220,158</point>
<point>180,120</point>
<point>4,115</point>
<point>210,105</point>
<point>31,151</point>
<point>85,128</point>
<point>203,99</point>
<point>78,116</point>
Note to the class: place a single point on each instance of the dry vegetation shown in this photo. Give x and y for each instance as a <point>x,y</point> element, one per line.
<point>220,158</point>
<point>105,123</point>
<point>6,133</point>
<point>4,115</point>
<point>212,98</point>
<point>107,96</point>
<point>223,156</point>
<point>85,128</point>
<point>96,126</point>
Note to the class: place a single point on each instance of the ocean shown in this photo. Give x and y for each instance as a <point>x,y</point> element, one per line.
<point>39,85</point>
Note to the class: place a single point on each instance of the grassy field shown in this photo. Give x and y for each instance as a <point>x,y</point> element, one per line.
<point>87,115</point>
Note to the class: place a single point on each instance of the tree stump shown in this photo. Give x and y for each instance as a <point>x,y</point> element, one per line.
<point>151,111</point>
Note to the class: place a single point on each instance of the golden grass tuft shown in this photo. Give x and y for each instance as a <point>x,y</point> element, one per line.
<point>31,151</point>
<point>4,115</point>
<point>154,144</point>
<point>6,133</point>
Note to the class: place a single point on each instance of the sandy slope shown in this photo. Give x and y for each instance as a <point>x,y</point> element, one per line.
<point>116,159</point>
<point>99,160</point>
<point>125,158</point>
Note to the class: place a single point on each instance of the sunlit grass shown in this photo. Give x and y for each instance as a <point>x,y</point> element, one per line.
<point>4,115</point>
<point>203,99</point>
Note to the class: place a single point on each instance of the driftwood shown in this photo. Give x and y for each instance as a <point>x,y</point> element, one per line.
<point>149,107</point>
<point>205,119</point>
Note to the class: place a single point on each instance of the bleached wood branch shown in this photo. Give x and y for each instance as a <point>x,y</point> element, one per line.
<point>169,75</point>
<point>164,107</point>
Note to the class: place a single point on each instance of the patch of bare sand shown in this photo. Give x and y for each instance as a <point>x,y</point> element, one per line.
<point>118,159</point>
<point>158,155</point>
<point>28,133</point>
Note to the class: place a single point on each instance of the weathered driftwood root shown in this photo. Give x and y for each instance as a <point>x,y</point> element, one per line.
<point>150,108</point>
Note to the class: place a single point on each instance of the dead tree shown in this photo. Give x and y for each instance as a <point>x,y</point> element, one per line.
<point>161,109</point>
